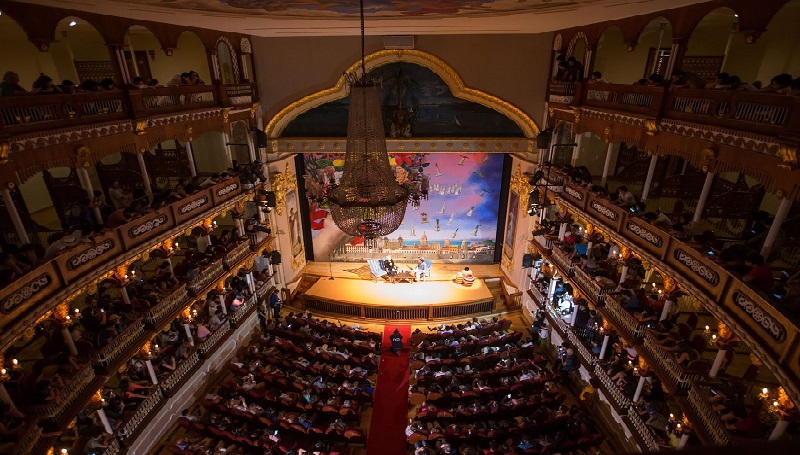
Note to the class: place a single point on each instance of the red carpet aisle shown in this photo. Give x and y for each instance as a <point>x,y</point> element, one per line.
<point>390,411</point>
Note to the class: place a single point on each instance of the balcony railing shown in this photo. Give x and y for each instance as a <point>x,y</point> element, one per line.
<point>213,341</point>
<point>175,380</point>
<point>129,337</point>
<point>639,99</point>
<point>642,430</point>
<point>236,254</point>
<point>667,362</point>
<point>142,414</point>
<point>38,112</point>
<point>206,276</point>
<point>158,315</point>
<point>31,296</point>
<point>67,396</point>
<point>761,324</point>
<point>710,419</point>
<point>634,328</point>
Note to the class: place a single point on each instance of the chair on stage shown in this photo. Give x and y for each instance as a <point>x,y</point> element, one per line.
<point>375,268</point>
<point>427,272</point>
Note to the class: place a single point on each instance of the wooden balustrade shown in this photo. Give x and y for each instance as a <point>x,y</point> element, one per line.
<point>639,99</point>
<point>709,418</point>
<point>392,313</point>
<point>560,259</point>
<point>212,342</point>
<point>142,414</point>
<point>114,448</point>
<point>590,285</point>
<point>205,277</point>
<point>642,429</point>
<point>667,362</point>
<point>31,296</point>
<point>758,112</point>
<point>28,442</point>
<point>634,328</point>
<point>165,100</point>
<point>166,307</point>
<point>239,94</point>
<point>610,388</point>
<point>66,396</point>
<point>174,381</point>
<point>35,112</point>
<point>120,344</point>
<point>235,255</point>
<point>537,297</point>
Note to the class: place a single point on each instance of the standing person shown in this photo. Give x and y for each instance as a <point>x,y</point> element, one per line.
<point>397,341</point>
<point>275,303</point>
<point>420,270</point>
<point>119,197</point>
<point>263,315</point>
<point>391,269</point>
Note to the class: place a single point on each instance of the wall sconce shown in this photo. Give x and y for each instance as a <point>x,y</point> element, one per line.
<point>152,55</point>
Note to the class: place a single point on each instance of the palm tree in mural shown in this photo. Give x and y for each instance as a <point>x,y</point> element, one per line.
<point>401,103</point>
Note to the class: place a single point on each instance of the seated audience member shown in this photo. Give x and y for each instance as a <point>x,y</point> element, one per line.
<point>44,84</point>
<point>596,78</point>
<point>760,275</point>
<point>397,341</point>
<point>779,84</point>
<point>10,85</point>
<point>120,217</point>
<point>625,198</point>
<point>119,197</point>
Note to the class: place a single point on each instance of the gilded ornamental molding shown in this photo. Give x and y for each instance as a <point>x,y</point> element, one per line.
<point>341,89</point>
<point>282,184</point>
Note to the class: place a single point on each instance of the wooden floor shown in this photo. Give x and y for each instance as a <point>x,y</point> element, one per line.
<point>439,272</point>
<point>383,293</point>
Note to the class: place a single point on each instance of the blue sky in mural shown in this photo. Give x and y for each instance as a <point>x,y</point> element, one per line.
<point>463,201</point>
<point>428,101</point>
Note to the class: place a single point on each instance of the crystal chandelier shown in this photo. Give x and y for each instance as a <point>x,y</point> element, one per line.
<point>367,202</point>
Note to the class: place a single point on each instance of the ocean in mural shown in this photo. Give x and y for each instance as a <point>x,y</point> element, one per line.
<point>457,223</point>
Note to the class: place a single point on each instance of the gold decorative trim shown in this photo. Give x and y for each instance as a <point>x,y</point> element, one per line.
<point>788,154</point>
<point>253,110</point>
<point>341,89</point>
<point>139,127</point>
<point>282,184</point>
<point>5,147</point>
<point>226,114</point>
<point>520,184</point>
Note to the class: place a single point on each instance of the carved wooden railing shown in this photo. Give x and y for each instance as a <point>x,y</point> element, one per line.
<point>175,380</point>
<point>393,313</point>
<point>129,337</point>
<point>66,396</point>
<point>758,112</point>
<point>642,429</point>
<point>610,387</point>
<point>235,255</point>
<point>163,100</point>
<point>34,294</point>
<point>709,418</point>
<point>565,93</point>
<point>667,362</point>
<point>638,99</point>
<point>114,448</point>
<point>634,328</point>
<point>171,303</point>
<point>243,311</point>
<point>142,414</point>
<point>589,284</point>
<point>212,342</point>
<point>560,259</point>
<point>206,276</point>
<point>35,112</point>
<point>27,444</point>
<point>238,94</point>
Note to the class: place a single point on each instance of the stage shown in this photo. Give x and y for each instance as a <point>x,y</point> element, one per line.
<point>383,300</point>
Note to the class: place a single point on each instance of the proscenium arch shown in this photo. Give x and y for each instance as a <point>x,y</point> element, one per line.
<point>377,59</point>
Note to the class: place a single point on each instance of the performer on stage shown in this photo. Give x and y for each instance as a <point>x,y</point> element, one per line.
<point>388,265</point>
<point>397,341</point>
<point>420,269</point>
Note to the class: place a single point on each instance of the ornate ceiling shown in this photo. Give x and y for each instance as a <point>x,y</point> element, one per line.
<point>384,17</point>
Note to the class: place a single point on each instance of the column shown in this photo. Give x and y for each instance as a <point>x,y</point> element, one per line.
<point>251,147</point>
<point>639,388</point>
<point>574,316</point>
<point>152,371</point>
<point>684,440</point>
<point>552,288</point>
<point>734,29</point>
<point>123,291</point>
<point>675,56</point>
<point>133,55</point>
<point>104,419</point>
<point>667,307</point>
<point>648,181</point>
<point>604,347</point>
<point>15,219</point>
<point>662,26</point>
<point>562,231</point>
<point>117,57</point>
<point>68,339</point>
<point>717,363</point>
<point>701,201</point>
<point>228,155</point>
<point>86,182</point>
<point>623,274</point>
<point>221,298</point>
<point>607,164</point>
<point>145,177</point>
<point>779,430</point>
<point>576,151</point>
<point>775,227</point>
<point>5,397</point>
<point>190,158</point>
<point>188,329</point>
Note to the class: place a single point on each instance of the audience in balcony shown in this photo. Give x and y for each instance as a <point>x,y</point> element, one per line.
<point>596,78</point>
<point>10,85</point>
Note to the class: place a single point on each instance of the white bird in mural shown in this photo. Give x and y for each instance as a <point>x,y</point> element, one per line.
<point>453,235</point>
<point>475,231</point>
<point>471,209</point>
<point>450,221</point>
<point>463,158</point>
<point>438,172</point>
<point>442,209</point>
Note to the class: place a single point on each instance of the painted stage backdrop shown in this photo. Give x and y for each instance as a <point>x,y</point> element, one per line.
<point>457,223</point>
<point>416,103</point>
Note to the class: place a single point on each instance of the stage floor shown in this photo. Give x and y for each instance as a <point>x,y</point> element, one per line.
<point>368,292</point>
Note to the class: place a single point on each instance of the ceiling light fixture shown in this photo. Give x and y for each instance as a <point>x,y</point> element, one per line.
<point>73,23</point>
<point>367,202</point>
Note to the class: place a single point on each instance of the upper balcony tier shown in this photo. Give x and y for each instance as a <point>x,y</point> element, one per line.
<point>712,129</point>
<point>32,113</point>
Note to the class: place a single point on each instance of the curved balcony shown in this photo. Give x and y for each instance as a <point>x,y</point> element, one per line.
<point>769,330</point>
<point>26,114</point>
<point>37,292</point>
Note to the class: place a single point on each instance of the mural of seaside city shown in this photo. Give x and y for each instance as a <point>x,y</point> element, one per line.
<point>457,223</point>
